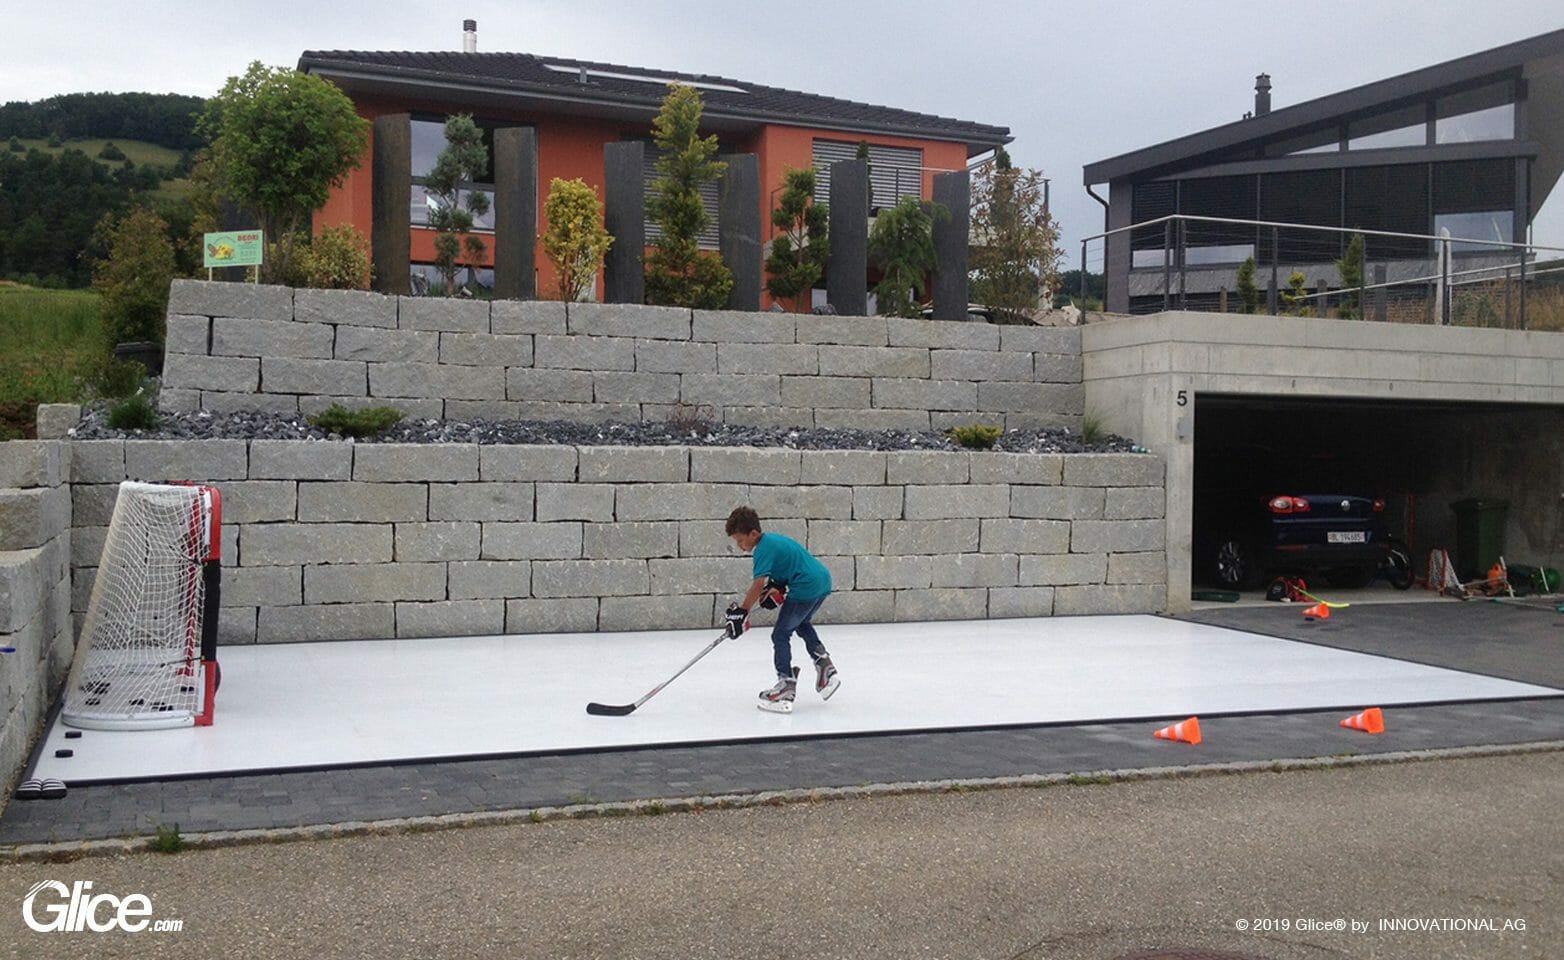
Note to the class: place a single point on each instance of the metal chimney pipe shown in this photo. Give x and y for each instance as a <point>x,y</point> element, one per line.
<point>469,36</point>
<point>1262,94</point>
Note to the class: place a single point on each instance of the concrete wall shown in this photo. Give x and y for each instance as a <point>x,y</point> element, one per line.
<point>35,531</point>
<point>334,540</point>
<point>1143,375</point>
<point>237,346</point>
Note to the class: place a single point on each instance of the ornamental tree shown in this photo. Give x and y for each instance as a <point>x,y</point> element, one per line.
<point>799,252</point>
<point>452,208</point>
<point>1015,253</point>
<point>576,239</point>
<point>678,272</point>
<point>901,245</point>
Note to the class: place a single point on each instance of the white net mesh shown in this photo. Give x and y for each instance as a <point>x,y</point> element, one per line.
<point>138,662</point>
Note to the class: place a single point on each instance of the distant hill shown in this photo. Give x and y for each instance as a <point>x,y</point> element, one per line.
<point>164,119</point>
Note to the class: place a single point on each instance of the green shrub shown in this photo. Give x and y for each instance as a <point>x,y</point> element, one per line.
<point>1093,428</point>
<point>167,840</point>
<point>16,146</point>
<point>356,423</point>
<point>134,413</point>
<point>111,152</point>
<point>134,280</point>
<point>338,259</point>
<point>976,437</point>
<point>118,378</point>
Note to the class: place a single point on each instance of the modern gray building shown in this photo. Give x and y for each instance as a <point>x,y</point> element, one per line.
<point>1474,146</point>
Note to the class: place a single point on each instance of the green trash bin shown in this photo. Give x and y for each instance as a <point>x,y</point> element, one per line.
<point>1479,535</point>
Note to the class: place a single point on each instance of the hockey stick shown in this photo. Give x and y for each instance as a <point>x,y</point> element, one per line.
<point>613,710</point>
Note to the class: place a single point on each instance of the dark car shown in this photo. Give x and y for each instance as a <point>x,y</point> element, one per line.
<point>1250,524</point>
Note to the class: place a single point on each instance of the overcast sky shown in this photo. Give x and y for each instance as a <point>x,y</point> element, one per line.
<point>1075,81</point>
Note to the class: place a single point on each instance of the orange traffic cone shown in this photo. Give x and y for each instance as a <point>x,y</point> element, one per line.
<point>1317,612</point>
<point>1185,731</point>
<point>1369,721</point>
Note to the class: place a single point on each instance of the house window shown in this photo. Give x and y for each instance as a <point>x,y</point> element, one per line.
<point>427,280</point>
<point>894,172</point>
<point>709,193</point>
<point>1487,113</point>
<point>1496,225</point>
<point>428,140</point>
<point>1407,127</point>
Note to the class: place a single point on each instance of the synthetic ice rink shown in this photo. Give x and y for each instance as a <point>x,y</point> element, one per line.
<point>319,705</point>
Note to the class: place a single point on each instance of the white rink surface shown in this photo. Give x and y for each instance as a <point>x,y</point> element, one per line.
<point>313,705</point>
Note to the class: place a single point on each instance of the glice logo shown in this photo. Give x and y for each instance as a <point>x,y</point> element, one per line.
<point>74,909</point>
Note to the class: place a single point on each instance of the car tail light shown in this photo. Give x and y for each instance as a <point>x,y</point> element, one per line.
<point>1285,504</point>
<point>1379,504</point>
<point>1300,505</point>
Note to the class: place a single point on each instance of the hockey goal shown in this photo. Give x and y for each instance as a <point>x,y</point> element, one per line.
<point>147,656</point>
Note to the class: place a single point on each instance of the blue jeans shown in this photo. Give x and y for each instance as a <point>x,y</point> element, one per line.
<point>795,615</point>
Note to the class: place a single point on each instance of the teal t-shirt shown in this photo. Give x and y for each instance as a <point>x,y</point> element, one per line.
<point>782,558</point>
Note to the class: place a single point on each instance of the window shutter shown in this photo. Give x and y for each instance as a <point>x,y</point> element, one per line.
<point>894,172</point>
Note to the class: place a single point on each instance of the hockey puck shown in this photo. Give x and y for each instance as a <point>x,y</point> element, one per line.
<point>62,752</point>
<point>73,734</point>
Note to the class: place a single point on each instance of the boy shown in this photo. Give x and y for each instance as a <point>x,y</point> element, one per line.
<point>783,570</point>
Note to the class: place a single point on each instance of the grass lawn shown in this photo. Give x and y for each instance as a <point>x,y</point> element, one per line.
<point>138,152</point>
<point>49,346</point>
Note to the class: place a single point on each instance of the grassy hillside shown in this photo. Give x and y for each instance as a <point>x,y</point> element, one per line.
<point>52,348</point>
<point>136,151</point>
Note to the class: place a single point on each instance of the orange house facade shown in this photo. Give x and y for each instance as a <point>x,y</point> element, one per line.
<point>577,108</point>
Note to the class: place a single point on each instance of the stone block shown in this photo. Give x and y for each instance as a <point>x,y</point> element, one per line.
<point>262,587</point>
<point>941,604</point>
<point>874,362</point>
<point>418,462</point>
<point>343,378</point>
<point>92,504</point>
<point>809,503</point>
<point>589,578</point>
<point>526,383</point>
<point>849,331</point>
<point>25,580</point>
<point>975,570</point>
<point>236,627</point>
<point>1149,567</point>
<point>858,606</point>
<point>842,467</point>
<point>34,463</point>
<point>1117,536</point>
<point>791,359</point>
<point>628,320</point>
<point>331,621</point>
<point>630,541</point>
<point>671,356</point>
<point>708,575</point>
<point>1113,470</point>
<point>202,461</point>
<point>744,465</point>
<point>259,501</point>
<point>927,466</point>
<point>447,381</point>
<point>730,389</point>
<point>678,501</point>
<point>1024,468</point>
<point>517,462</point>
<point>443,313</point>
<point>371,345</point>
<point>910,537</point>
<point>451,618</point>
<point>217,299</point>
<point>301,460</point>
<point>942,334</point>
<point>584,353</point>
<point>953,501</point>
<point>786,418</point>
<point>193,372</point>
<point>709,538</point>
<point>437,541</point>
<point>1024,536</point>
<point>1057,503</point>
<point>486,350</point>
<point>87,545</point>
<point>532,541</point>
<point>852,393</point>
<point>1030,398</point>
<point>172,400</point>
<point>488,579</point>
<point>281,404</point>
<point>1133,503</point>
<point>487,502</point>
<point>847,538</point>
<point>925,394</point>
<point>635,387</point>
<point>893,573</point>
<point>244,337</point>
<point>877,503</point>
<point>346,308</point>
<point>358,583</point>
<point>1036,339</point>
<point>189,334</point>
<point>574,615</point>
<point>56,420</point>
<point>1110,599</point>
<point>884,419</point>
<point>296,544</point>
<point>359,502</point>
<point>738,326</point>
<point>1063,568</point>
<point>655,613</point>
<point>980,366</point>
<point>1055,368</point>
<point>1012,602</point>
<point>528,317</point>
<point>575,501</point>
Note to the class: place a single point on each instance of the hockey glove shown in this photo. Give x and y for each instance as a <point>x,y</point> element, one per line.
<point>736,621</point>
<point>773,596</point>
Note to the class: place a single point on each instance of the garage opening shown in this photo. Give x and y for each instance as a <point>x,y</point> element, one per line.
<point>1389,468</point>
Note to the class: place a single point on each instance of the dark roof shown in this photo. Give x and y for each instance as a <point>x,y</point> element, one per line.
<point>523,75</point>
<point>1219,142</point>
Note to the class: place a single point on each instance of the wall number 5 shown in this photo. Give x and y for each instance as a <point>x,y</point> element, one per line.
<point>1183,398</point>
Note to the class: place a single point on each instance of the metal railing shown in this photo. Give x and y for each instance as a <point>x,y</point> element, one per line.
<point>1189,262</point>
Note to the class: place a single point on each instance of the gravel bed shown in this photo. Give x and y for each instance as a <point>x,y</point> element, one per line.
<point>205,425</point>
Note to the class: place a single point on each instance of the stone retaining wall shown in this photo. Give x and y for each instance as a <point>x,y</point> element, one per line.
<point>239,346</point>
<point>326,540</point>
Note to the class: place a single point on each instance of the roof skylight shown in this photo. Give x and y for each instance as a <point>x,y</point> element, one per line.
<point>641,78</point>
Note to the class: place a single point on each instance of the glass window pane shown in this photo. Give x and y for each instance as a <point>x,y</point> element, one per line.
<point>1490,225</point>
<point>428,140</point>
<point>1494,123</point>
<point>421,201</point>
<point>1407,127</point>
<point>1227,253</point>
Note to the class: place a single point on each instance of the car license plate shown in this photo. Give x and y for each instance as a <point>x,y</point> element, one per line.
<point>1346,536</point>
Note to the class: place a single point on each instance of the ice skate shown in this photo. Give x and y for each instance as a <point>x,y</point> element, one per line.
<point>779,698</point>
<point>826,680</point>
